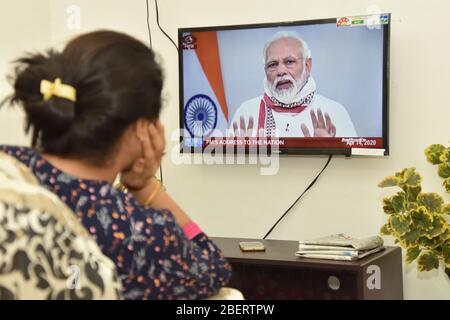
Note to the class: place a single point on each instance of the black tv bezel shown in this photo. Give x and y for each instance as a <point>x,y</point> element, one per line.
<point>294,151</point>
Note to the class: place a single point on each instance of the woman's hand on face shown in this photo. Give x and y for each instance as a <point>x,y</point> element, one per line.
<point>144,168</point>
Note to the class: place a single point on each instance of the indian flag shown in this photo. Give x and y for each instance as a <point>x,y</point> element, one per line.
<point>205,105</point>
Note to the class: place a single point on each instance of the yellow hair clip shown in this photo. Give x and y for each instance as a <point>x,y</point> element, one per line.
<point>58,89</point>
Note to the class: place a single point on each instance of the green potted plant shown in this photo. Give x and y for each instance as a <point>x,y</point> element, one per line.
<point>418,220</point>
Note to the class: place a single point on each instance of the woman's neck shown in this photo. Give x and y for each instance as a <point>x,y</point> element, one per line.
<point>83,169</point>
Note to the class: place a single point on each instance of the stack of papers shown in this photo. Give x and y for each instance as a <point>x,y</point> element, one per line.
<point>339,247</point>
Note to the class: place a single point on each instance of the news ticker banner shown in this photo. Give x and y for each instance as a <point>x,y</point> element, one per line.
<point>360,142</point>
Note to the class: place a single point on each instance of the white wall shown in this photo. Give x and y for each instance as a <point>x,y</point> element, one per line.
<point>25,27</point>
<point>236,201</point>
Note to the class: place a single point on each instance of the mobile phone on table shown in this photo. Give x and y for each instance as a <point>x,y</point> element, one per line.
<point>251,246</point>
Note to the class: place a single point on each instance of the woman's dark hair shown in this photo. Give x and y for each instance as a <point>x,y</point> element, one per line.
<point>117,82</point>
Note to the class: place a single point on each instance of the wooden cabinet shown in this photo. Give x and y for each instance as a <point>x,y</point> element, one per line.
<point>278,274</point>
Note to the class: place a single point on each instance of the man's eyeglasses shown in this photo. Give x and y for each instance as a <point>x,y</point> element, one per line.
<point>289,63</point>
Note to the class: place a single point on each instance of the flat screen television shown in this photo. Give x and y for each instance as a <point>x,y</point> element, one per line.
<point>304,87</point>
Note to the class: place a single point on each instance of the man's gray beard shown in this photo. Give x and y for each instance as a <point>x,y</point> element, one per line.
<point>286,96</point>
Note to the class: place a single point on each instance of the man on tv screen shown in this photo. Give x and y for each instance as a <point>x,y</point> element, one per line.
<point>290,105</point>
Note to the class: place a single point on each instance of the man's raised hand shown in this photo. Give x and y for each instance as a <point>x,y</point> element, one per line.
<point>323,127</point>
<point>243,130</point>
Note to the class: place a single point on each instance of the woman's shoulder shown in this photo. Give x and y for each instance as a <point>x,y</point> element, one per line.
<point>28,156</point>
<point>17,151</point>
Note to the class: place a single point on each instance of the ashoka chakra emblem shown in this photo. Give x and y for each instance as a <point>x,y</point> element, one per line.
<point>200,115</point>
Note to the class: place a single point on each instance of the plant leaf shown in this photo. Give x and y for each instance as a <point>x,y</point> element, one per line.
<point>395,204</point>
<point>401,174</point>
<point>445,156</point>
<point>446,252</point>
<point>389,182</point>
<point>412,178</point>
<point>428,261</point>
<point>444,170</point>
<point>430,244</point>
<point>422,219</point>
<point>432,201</point>
<point>412,253</point>
<point>412,192</point>
<point>398,202</point>
<point>433,152</point>
<point>446,184</point>
<point>445,235</point>
<point>438,227</point>
<point>446,209</point>
<point>387,205</point>
<point>412,206</point>
<point>385,230</point>
<point>398,224</point>
<point>410,238</point>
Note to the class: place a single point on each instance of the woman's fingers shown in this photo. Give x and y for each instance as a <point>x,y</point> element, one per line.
<point>161,131</point>
<point>156,133</point>
<point>148,152</point>
<point>139,165</point>
<point>159,127</point>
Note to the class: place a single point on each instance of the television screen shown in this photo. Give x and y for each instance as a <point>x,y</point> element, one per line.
<point>306,87</point>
